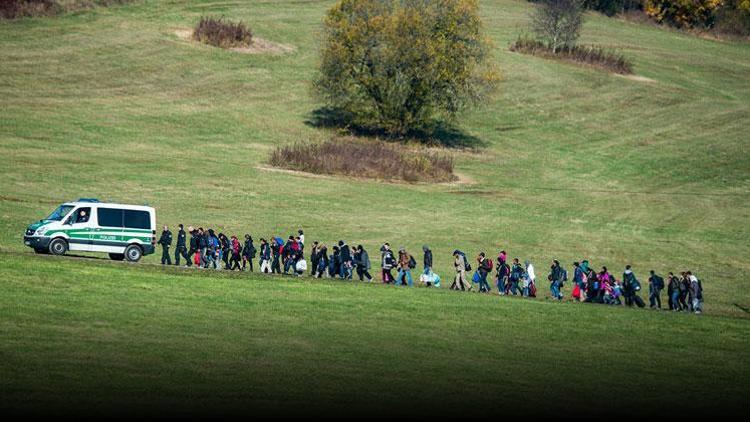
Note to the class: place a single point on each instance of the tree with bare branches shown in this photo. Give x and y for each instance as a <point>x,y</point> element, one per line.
<point>558,22</point>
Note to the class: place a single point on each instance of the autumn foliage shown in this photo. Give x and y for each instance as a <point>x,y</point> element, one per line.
<point>398,65</point>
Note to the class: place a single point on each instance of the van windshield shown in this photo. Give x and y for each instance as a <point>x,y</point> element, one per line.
<point>60,212</point>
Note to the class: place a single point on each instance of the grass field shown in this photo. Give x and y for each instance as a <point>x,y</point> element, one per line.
<point>570,162</point>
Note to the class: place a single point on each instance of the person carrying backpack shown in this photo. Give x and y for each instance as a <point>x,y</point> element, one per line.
<point>557,276</point>
<point>363,263</point>
<point>322,252</point>
<point>248,253</point>
<point>345,261</point>
<point>406,263</point>
<point>387,261</point>
<point>516,273</point>
<point>655,286</point>
<point>234,249</point>
<point>503,275</point>
<point>484,267</point>
<point>673,291</point>
<point>461,264</point>
<point>631,286</point>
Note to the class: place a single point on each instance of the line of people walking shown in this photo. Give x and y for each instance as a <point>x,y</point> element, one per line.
<point>208,249</point>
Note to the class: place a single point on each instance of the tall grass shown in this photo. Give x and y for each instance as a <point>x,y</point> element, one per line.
<point>591,55</point>
<point>369,159</point>
<point>222,33</point>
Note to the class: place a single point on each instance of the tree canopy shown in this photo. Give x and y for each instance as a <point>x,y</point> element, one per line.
<point>397,65</point>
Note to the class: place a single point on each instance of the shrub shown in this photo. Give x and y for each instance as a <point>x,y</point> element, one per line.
<point>591,55</point>
<point>558,22</point>
<point>14,9</point>
<point>733,17</point>
<point>221,33</point>
<point>369,159</point>
<point>683,13</point>
<point>396,65</point>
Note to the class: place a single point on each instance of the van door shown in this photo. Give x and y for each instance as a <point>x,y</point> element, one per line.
<point>78,227</point>
<point>107,235</point>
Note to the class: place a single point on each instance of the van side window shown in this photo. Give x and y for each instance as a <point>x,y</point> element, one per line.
<point>81,215</point>
<point>109,217</point>
<point>137,219</point>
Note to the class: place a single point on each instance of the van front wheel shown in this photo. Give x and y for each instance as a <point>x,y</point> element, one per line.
<point>117,256</point>
<point>58,246</point>
<point>133,253</point>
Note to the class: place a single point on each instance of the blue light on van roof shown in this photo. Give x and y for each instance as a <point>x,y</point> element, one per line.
<point>87,200</point>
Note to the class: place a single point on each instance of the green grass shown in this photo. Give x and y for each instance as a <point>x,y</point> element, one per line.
<point>190,340</point>
<point>111,103</point>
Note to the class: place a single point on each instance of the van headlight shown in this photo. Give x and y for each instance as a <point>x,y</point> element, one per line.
<point>40,231</point>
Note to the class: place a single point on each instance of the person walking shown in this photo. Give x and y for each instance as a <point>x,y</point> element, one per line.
<point>314,259</point>
<point>265,256</point>
<point>696,289</point>
<point>484,267</point>
<point>684,291</point>
<point>655,286</point>
<point>363,263</point>
<point>502,275</point>
<point>322,264</point>
<point>194,247</point>
<point>345,261</point>
<point>276,252</point>
<point>557,276</point>
<point>516,273</point>
<point>165,241</point>
<point>248,253</point>
<point>405,264</point>
<point>427,260</point>
<point>180,248</point>
<point>461,265</point>
<point>235,248</point>
<point>387,261</point>
<point>673,291</point>
<point>631,286</point>
<point>529,280</point>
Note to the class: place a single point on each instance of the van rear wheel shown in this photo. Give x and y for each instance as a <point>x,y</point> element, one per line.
<point>133,253</point>
<point>117,256</point>
<point>58,246</point>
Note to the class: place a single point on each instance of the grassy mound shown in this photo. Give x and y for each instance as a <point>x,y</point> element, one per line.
<point>222,33</point>
<point>369,159</point>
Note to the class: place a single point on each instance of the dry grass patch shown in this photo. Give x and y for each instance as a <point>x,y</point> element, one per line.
<point>222,33</point>
<point>367,159</point>
<point>598,57</point>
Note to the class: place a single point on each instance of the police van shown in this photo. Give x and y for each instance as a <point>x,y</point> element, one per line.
<point>87,225</point>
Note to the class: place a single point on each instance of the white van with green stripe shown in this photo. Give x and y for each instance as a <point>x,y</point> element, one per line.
<point>87,225</point>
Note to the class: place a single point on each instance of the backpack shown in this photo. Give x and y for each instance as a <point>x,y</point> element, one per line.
<point>658,282</point>
<point>412,262</point>
<point>489,265</point>
<point>563,274</point>
<point>467,265</point>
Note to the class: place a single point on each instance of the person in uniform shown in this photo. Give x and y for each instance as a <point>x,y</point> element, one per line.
<point>165,241</point>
